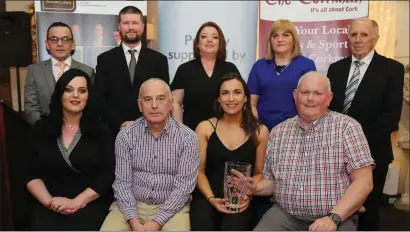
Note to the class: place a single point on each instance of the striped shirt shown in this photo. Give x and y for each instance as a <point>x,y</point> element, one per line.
<point>311,168</point>
<point>158,170</point>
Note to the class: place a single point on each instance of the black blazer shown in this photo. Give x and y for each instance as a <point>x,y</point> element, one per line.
<point>377,103</point>
<point>117,97</point>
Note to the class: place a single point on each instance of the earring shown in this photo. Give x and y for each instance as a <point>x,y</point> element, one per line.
<point>244,106</point>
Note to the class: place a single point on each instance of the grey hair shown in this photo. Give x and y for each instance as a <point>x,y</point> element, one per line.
<point>155,80</point>
<point>316,74</point>
<point>375,26</point>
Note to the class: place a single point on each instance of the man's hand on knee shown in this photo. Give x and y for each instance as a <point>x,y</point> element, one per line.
<point>152,226</point>
<point>323,224</point>
<point>136,224</point>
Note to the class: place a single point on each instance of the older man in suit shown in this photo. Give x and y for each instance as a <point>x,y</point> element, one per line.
<point>369,88</point>
<point>41,77</point>
<point>122,70</point>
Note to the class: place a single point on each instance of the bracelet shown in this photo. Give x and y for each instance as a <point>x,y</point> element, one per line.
<point>211,197</point>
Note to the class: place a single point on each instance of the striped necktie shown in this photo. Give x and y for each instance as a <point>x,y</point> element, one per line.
<point>352,86</point>
<point>61,65</point>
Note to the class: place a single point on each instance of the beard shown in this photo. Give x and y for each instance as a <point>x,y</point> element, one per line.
<point>129,40</point>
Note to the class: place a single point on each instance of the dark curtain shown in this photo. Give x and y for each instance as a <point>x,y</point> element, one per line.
<point>15,199</point>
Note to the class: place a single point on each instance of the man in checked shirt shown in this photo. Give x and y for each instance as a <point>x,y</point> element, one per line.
<point>318,165</point>
<point>157,161</point>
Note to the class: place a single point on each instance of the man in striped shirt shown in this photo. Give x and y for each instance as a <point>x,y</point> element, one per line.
<point>318,165</point>
<point>157,160</point>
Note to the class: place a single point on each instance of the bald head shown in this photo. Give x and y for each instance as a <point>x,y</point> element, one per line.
<point>314,74</point>
<point>155,102</point>
<point>154,82</point>
<point>312,97</point>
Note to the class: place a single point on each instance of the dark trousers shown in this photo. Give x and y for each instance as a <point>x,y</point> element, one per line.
<point>277,219</point>
<point>369,220</point>
<point>204,217</point>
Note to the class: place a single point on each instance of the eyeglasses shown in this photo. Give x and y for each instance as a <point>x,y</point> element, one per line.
<point>64,40</point>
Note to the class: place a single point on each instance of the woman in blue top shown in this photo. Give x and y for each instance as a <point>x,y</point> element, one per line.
<point>273,79</point>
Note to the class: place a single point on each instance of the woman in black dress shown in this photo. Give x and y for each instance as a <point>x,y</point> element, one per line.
<point>71,165</point>
<point>195,83</point>
<point>233,135</point>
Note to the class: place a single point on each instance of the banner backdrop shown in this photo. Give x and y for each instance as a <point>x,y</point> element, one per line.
<point>94,25</point>
<point>178,22</point>
<point>322,26</point>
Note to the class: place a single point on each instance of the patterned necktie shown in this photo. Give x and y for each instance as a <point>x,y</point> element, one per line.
<point>352,86</point>
<point>133,64</point>
<point>62,66</point>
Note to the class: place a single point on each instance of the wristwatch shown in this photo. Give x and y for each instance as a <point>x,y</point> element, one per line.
<point>335,218</point>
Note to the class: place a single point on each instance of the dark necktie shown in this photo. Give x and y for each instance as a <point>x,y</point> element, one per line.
<point>352,87</point>
<point>133,64</point>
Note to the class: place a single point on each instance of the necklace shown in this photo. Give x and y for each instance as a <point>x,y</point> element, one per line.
<point>281,68</point>
<point>209,72</point>
<point>70,127</point>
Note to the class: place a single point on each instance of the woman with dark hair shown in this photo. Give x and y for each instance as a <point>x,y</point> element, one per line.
<point>71,165</point>
<point>234,134</point>
<point>195,82</point>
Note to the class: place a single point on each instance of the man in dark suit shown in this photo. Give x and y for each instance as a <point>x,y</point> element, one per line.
<point>369,88</point>
<point>122,70</point>
<point>41,77</point>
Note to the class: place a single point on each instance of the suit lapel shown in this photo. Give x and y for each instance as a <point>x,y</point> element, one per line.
<point>340,86</point>
<point>74,64</point>
<point>49,76</point>
<point>122,65</point>
<point>140,66</point>
<point>366,82</point>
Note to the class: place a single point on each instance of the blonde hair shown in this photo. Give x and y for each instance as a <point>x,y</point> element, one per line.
<point>287,26</point>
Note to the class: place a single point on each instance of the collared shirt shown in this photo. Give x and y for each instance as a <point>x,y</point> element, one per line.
<point>56,69</point>
<point>158,170</point>
<point>366,62</point>
<point>311,168</point>
<point>128,54</point>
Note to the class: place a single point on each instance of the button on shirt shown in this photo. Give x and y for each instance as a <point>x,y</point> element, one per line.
<point>56,69</point>
<point>363,68</point>
<point>311,168</point>
<point>155,170</point>
<point>128,55</point>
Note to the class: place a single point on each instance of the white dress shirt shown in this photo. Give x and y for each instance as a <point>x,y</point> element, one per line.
<point>56,69</point>
<point>366,62</point>
<point>128,55</point>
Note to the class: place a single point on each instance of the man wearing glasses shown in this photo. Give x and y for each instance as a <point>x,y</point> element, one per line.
<point>42,77</point>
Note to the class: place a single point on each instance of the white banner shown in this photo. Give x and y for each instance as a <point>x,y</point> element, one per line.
<point>312,10</point>
<point>178,22</point>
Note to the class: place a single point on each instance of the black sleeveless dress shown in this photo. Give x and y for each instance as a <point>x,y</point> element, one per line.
<point>203,215</point>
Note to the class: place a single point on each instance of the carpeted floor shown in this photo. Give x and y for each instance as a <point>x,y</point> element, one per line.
<point>394,219</point>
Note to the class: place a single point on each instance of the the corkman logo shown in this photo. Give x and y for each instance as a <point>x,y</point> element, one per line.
<point>288,2</point>
<point>58,6</point>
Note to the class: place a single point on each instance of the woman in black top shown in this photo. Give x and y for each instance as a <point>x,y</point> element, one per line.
<point>71,165</point>
<point>195,83</point>
<point>233,135</point>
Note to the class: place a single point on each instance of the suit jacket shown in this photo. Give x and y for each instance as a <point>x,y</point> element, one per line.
<point>377,103</point>
<point>117,95</point>
<point>40,83</point>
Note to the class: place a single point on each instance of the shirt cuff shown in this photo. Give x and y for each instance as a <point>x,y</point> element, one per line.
<point>162,217</point>
<point>129,213</point>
